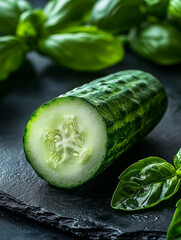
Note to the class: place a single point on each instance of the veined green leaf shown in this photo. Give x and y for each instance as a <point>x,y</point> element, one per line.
<point>62,13</point>
<point>118,15</point>
<point>10,11</point>
<point>12,53</point>
<point>29,27</point>
<point>84,51</point>
<point>159,42</point>
<point>174,231</point>
<point>174,10</point>
<point>177,159</point>
<point>144,184</point>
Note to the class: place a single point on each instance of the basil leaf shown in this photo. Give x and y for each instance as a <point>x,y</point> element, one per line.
<point>174,231</point>
<point>84,29</point>
<point>84,51</point>
<point>177,159</point>
<point>159,42</point>
<point>12,53</point>
<point>144,184</point>
<point>61,13</point>
<point>157,7</point>
<point>10,11</point>
<point>118,15</point>
<point>30,26</point>
<point>174,10</point>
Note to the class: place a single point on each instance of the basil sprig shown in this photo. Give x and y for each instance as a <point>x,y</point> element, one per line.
<point>83,34</point>
<point>146,183</point>
<point>174,231</point>
<point>54,31</point>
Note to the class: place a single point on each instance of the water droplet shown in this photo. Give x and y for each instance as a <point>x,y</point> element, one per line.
<point>155,219</point>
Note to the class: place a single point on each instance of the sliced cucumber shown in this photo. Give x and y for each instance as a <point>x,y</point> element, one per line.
<point>74,137</point>
<point>66,141</point>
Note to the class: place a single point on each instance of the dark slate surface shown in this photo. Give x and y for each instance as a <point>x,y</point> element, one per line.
<point>84,211</point>
<point>15,227</point>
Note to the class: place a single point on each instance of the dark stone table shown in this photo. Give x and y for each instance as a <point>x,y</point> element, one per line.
<point>84,211</point>
<point>15,227</point>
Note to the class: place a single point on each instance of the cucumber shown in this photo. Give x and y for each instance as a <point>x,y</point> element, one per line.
<point>74,137</point>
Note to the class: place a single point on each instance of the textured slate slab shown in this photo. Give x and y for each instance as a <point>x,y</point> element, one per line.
<point>84,211</point>
<point>13,226</point>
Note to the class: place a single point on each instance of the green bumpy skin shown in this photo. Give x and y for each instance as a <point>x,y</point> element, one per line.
<point>131,103</point>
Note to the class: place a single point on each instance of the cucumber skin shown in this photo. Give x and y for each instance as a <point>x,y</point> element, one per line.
<point>120,99</point>
<point>131,103</point>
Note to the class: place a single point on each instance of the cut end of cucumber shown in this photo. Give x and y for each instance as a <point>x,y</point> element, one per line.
<point>65,141</point>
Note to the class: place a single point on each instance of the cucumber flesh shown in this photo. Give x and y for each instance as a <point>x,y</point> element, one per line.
<point>66,140</point>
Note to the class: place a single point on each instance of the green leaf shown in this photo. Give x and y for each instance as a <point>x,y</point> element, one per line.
<point>62,13</point>
<point>157,8</point>
<point>29,27</point>
<point>144,184</point>
<point>159,43</point>
<point>174,10</point>
<point>10,11</point>
<point>177,159</point>
<point>174,231</point>
<point>12,53</point>
<point>118,15</point>
<point>91,50</point>
<point>78,29</point>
